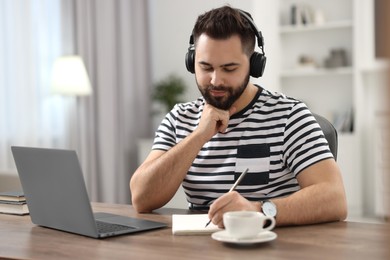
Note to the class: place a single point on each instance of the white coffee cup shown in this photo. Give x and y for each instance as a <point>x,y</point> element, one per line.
<point>246,224</point>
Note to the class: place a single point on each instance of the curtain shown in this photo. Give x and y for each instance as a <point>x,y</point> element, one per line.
<point>112,38</point>
<point>30,40</point>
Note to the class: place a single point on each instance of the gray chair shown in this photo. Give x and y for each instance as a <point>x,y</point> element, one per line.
<point>330,133</point>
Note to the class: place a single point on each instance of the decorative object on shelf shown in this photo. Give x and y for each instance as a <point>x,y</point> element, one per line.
<point>302,14</point>
<point>294,15</point>
<point>168,91</point>
<point>306,62</point>
<point>336,59</point>
<point>318,17</point>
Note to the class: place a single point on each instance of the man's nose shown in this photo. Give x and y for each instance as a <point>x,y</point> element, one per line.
<point>217,78</point>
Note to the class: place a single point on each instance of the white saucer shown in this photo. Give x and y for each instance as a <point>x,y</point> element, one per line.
<point>262,237</point>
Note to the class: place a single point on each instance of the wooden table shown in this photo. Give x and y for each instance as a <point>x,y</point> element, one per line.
<point>20,239</point>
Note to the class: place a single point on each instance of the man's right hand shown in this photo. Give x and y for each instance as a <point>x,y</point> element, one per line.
<point>214,120</point>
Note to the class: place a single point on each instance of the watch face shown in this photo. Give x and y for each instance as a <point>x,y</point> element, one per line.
<point>269,209</point>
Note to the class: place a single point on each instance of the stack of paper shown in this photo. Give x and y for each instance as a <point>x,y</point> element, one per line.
<point>193,224</point>
<point>13,202</point>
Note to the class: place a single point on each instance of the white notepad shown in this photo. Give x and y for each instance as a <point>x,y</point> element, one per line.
<point>193,224</point>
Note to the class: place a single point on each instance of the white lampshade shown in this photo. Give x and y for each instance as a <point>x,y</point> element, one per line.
<point>70,77</point>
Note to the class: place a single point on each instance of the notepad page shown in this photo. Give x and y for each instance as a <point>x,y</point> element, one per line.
<point>193,224</point>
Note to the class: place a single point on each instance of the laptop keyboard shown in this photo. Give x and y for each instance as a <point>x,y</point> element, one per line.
<point>104,227</point>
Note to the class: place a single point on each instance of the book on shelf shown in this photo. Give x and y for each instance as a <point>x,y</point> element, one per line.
<point>13,202</point>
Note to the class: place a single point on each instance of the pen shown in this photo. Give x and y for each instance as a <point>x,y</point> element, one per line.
<point>234,186</point>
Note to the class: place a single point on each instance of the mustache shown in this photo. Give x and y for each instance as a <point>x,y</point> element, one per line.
<point>218,88</point>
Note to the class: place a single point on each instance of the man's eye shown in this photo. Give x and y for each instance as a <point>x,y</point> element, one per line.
<point>230,69</point>
<point>207,68</point>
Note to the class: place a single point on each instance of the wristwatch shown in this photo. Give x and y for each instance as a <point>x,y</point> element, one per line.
<point>269,208</point>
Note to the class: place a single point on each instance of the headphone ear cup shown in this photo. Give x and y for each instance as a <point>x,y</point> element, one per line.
<point>257,64</point>
<point>190,60</point>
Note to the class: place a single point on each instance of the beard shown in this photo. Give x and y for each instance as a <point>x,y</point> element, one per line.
<point>225,102</point>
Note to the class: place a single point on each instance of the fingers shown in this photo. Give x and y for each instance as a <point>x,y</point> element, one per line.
<point>222,117</point>
<point>224,122</point>
<point>220,206</point>
<point>214,120</point>
<point>231,201</point>
<point>222,125</point>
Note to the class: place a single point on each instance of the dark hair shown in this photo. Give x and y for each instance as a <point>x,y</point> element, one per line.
<point>224,22</point>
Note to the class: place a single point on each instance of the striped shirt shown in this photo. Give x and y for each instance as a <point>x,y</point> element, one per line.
<point>275,136</point>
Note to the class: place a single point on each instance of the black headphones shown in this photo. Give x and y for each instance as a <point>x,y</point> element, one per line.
<point>257,60</point>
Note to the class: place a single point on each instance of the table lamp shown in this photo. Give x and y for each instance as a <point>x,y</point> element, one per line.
<point>69,77</point>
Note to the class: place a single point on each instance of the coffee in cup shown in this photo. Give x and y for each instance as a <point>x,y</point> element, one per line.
<point>246,224</point>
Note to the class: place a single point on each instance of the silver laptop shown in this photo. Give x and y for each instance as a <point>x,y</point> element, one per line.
<point>57,198</point>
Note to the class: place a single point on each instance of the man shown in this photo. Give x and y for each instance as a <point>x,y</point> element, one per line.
<point>204,145</point>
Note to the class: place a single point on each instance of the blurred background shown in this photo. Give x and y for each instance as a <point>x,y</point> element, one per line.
<point>98,77</point>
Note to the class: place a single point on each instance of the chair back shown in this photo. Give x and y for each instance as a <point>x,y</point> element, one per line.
<point>330,133</point>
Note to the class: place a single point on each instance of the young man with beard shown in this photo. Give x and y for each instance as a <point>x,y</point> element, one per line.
<point>204,145</point>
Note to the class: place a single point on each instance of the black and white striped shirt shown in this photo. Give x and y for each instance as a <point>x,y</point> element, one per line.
<point>275,136</point>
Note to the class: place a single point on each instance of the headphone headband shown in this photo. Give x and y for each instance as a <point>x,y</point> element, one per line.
<point>258,34</point>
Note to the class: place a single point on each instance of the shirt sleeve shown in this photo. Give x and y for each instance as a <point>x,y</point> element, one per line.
<point>165,137</point>
<point>304,140</point>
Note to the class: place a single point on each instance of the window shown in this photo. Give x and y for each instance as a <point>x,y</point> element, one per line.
<point>30,41</point>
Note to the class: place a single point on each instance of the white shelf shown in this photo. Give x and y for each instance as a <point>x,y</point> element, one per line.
<point>330,92</point>
<point>288,29</point>
<point>314,72</point>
